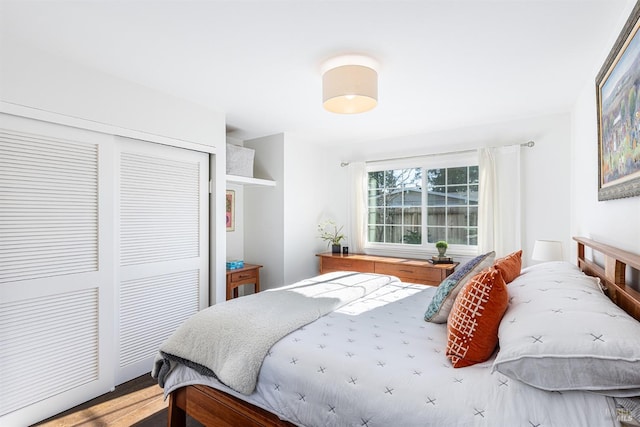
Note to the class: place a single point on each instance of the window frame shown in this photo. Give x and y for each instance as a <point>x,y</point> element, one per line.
<point>467,158</point>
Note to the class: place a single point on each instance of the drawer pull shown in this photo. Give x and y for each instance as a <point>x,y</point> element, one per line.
<point>406,271</point>
<point>244,276</point>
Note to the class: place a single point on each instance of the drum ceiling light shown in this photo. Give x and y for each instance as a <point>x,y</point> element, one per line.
<point>349,84</point>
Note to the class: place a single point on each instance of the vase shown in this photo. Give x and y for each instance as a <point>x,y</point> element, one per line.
<point>335,249</point>
<point>442,251</point>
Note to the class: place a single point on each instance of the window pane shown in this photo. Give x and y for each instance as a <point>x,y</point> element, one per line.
<point>376,180</point>
<point>473,194</point>
<point>376,198</point>
<point>412,236</point>
<point>457,217</point>
<point>412,178</point>
<point>412,216</point>
<point>403,178</point>
<point>473,236</point>
<point>436,216</point>
<point>394,198</point>
<point>413,197</point>
<point>394,216</point>
<point>389,179</point>
<point>376,216</point>
<point>393,234</point>
<point>376,233</point>
<point>436,196</point>
<point>436,177</point>
<point>473,217</point>
<point>457,195</point>
<point>457,175</point>
<point>473,175</point>
<point>457,236</point>
<point>435,233</point>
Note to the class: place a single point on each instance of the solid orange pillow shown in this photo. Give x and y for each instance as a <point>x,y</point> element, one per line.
<point>510,266</point>
<point>475,317</point>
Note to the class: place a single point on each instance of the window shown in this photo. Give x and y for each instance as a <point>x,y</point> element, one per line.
<point>395,206</point>
<point>452,205</point>
<point>414,207</point>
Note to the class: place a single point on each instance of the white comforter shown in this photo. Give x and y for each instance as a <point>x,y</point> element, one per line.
<point>375,362</point>
<point>230,340</point>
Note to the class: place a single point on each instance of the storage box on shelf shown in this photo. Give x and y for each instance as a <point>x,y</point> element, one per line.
<point>240,160</point>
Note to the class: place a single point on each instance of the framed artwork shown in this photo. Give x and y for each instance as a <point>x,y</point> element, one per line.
<point>618,110</point>
<point>231,210</point>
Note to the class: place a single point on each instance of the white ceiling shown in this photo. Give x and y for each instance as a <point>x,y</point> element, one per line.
<point>443,64</point>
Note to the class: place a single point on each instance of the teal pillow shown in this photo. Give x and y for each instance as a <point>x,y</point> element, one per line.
<point>443,299</point>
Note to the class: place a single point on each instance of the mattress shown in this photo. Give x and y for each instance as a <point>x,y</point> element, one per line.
<point>375,362</point>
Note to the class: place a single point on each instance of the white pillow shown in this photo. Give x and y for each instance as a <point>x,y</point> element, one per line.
<point>561,332</point>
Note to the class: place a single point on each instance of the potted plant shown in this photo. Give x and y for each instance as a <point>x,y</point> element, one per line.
<point>442,246</point>
<point>329,232</point>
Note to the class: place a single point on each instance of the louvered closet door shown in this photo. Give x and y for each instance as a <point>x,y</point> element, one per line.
<point>56,275</point>
<point>163,247</point>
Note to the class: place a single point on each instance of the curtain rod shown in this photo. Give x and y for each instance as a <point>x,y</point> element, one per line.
<point>528,144</point>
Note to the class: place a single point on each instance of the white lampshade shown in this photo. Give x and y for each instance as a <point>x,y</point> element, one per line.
<point>351,87</point>
<point>547,250</point>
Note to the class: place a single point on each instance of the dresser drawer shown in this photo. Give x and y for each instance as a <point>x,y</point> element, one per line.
<point>243,276</point>
<point>411,273</point>
<point>330,264</point>
<point>247,275</point>
<point>406,269</point>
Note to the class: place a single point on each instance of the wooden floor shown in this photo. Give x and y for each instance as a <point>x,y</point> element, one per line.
<point>138,403</point>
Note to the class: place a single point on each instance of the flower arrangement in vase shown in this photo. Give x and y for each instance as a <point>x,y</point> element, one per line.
<point>332,234</point>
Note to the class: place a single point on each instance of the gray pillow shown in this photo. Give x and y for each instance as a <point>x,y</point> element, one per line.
<point>443,299</point>
<point>561,332</point>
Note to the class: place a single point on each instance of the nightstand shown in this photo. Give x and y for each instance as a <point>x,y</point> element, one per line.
<point>249,274</point>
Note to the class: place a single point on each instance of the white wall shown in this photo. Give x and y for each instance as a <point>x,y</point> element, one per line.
<point>615,222</point>
<point>38,80</point>
<point>264,211</point>
<point>559,185</point>
<point>545,167</point>
<point>312,190</point>
<point>279,223</point>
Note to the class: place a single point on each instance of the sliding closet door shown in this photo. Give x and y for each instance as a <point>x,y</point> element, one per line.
<point>56,268</point>
<point>162,240</point>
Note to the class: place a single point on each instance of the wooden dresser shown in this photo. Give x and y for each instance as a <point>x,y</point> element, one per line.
<point>406,269</point>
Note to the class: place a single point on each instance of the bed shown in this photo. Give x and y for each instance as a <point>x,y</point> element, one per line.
<point>365,356</point>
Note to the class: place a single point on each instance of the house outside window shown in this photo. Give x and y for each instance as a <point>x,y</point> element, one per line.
<point>413,204</point>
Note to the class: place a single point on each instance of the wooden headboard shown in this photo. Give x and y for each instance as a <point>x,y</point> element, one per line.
<point>613,273</point>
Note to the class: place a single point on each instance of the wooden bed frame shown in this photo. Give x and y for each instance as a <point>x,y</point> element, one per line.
<point>212,407</point>
<point>613,274</point>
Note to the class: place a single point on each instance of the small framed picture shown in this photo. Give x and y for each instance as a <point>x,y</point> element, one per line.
<point>231,210</point>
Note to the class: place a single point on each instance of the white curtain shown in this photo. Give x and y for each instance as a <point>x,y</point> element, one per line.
<point>357,201</point>
<point>499,218</point>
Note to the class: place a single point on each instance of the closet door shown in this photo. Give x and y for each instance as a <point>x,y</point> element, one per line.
<point>162,239</point>
<point>56,268</point>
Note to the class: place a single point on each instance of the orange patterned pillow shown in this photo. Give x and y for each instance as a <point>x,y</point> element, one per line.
<point>475,317</point>
<point>510,266</point>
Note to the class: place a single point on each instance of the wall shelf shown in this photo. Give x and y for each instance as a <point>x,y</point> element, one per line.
<point>244,180</point>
